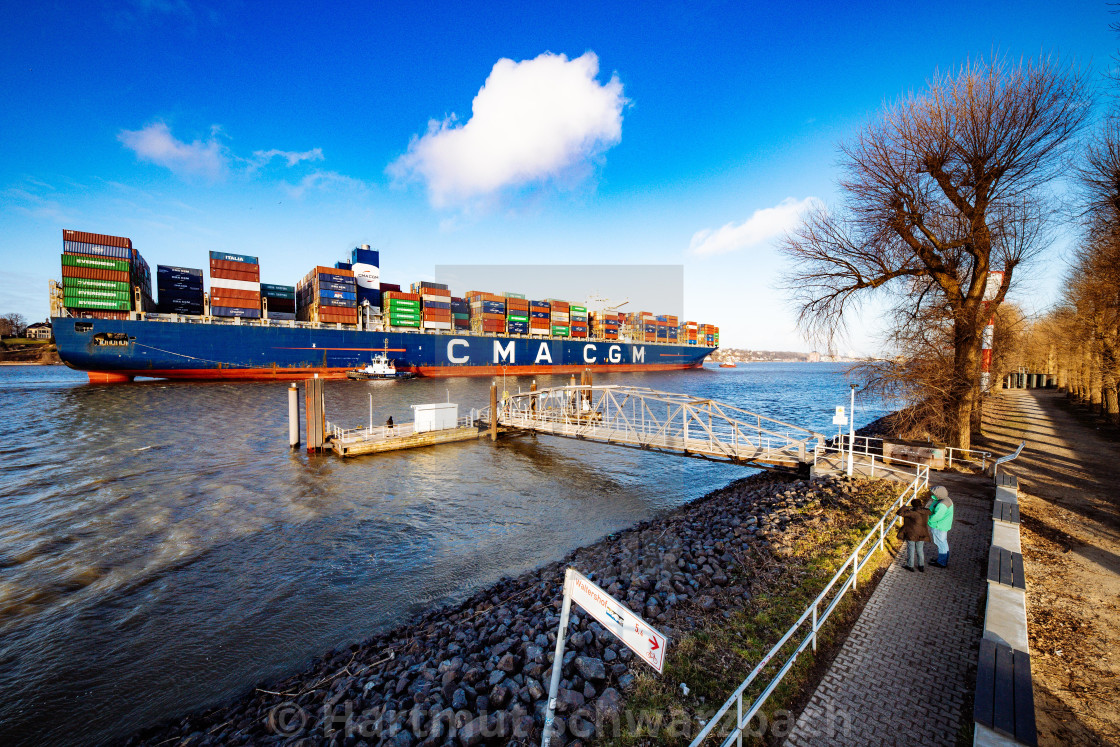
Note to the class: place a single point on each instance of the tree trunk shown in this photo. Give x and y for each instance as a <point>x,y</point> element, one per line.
<point>962,393</point>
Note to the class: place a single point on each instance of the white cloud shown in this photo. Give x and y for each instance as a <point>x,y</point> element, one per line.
<point>531,121</point>
<point>156,144</point>
<point>211,159</point>
<point>261,157</point>
<point>325,181</point>
<point>763,225</point>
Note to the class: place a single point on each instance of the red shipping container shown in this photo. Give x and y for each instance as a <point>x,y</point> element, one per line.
<point>92,273</point>
<point>96,238</point>
<point>401,295</point>
<point>234,303</point>
<point>244,295</point>
<point>246,277</point>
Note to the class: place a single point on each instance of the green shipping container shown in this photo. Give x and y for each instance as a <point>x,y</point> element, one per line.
<point>404,315</point>
<point>405,323</point>
<point>507,294</point>
<point>69,283</point>
<point>561,331</point>
<point>577,309</point>
<point>517,317</point>
<point>460,316</point>
<point>100,263</point>
<point>96,293</point>
<point>97,303</point>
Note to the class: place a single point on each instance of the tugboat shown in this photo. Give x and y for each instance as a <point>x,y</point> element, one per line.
<point>379,368</point>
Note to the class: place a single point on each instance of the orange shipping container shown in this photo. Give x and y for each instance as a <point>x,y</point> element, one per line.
<point>96,238</point>
<point>92,273</point>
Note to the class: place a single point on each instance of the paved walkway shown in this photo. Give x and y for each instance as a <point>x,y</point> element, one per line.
<point>907,668</point>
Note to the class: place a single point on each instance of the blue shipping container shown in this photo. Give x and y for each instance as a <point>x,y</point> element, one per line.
<point>336,287</point>
<point>99,250</point>
<point>340,265</point>
<point>270,288</point>
<point>172,270</point>
<point>436,305</point>
<point>338,302</point>
<point>329,277</point>
<point>229,311</point>
<point>539,314</point>
<point>338,294</point>
<point>244,258</point>
<point>282,316</point>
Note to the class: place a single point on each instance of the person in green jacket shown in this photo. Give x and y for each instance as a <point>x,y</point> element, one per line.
<point>940,522</point>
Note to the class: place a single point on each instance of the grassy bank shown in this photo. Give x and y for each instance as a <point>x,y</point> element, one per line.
<point>724,647</point>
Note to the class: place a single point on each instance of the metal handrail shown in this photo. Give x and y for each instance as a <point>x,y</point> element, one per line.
<point>974,456</point>
<point>847,576</point>
<point>1008,458</point>
<point>380,432</point>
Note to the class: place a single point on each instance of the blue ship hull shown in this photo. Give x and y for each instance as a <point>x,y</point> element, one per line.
<point>111,350</point>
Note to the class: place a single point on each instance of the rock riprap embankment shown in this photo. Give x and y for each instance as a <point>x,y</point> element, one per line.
<point>478,672</point>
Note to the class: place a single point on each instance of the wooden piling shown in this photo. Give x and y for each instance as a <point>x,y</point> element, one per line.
<point>316,416</point>
<point>293,416</point>
<point>494,412</point>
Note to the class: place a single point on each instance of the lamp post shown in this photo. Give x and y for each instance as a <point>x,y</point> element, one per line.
<point>852,432</point>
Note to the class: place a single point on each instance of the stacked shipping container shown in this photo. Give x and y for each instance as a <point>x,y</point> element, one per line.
<point>540,318</point>
<point>180,290</point>
<point>327,295</point>
<point>235,285</point>
<point>99,274</point>
<point>279,301</point>
<point>435,305</point>
<point>488,313</point>
<point>517,314</point>
<point>578,315</point>
<point>606,325</point>
<point>460,314</point>
<point>402,309</point>
<point>560,317</point>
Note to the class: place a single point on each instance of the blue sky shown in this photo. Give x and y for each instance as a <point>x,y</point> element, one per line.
<point>294,132</point>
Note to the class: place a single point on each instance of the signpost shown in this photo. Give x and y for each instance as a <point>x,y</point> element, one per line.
<point>632,630</point>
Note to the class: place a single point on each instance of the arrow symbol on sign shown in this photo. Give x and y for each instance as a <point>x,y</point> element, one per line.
<point>654,646</point>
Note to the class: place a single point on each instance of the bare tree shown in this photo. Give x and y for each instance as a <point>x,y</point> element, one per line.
<point>939,191</point>
<point>13,324</point>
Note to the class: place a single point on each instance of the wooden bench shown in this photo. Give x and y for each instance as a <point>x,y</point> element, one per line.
<point>1006,567</point>
<point>1004,511</point>
<point>1004,698</point>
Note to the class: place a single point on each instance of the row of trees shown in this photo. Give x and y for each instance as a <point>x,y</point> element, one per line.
<point>945,197</point>
<point>13,325</point>
<point>1079,340</point>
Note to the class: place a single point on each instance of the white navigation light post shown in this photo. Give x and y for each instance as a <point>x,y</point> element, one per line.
<point>632,630</point>
<point>852,433</point>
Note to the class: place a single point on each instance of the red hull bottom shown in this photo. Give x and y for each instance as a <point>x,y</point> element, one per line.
<point>288,374</point>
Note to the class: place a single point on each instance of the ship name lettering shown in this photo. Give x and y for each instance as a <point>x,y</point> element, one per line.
<point>588,349</point>
<point>637,354</point>
<point>452,358</point>
<point>614,354</point>
<point>504,354</point>
<point>544,354</point>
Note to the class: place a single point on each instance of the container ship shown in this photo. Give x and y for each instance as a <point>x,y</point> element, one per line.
<point>107,323</point>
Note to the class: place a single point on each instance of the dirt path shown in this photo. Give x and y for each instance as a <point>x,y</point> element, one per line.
<point>1069,478</point>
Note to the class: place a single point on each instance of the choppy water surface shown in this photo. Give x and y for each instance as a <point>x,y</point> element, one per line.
<point>161,548</point>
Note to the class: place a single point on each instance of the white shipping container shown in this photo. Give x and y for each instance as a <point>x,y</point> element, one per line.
<point>437,325</point>
<point>244,285</point>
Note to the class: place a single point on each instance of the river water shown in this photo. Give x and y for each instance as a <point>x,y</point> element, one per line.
<point>161,548</point>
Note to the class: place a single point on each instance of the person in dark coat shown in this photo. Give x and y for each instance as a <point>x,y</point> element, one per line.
<point>915,530</point>
<point>389,422</point>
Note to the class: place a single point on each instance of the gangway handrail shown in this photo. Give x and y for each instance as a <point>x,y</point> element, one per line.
<point>1004,459</point>
<point>849,571</point>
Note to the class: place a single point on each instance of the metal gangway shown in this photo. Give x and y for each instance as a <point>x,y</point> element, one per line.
<point>649,419</point>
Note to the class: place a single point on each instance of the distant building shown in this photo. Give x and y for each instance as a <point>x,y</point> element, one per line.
<point>814,357</point>
<point>39,331</point>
